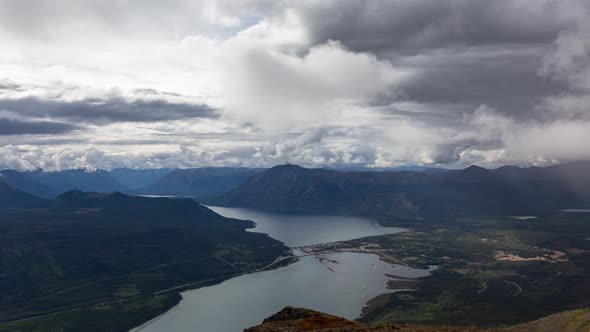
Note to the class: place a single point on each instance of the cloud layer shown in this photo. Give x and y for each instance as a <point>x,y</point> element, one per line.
<point>370,83</point>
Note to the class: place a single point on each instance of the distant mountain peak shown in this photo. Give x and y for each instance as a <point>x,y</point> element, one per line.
<point>81,198</point>
<point>286,169</point>
<point>200,182</point>
<point>89,194</point>
<point>475,168</point>
<point>287,166</point>
<point>508,167</point>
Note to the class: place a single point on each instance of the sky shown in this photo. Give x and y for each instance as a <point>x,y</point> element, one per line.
<point>321,83</point>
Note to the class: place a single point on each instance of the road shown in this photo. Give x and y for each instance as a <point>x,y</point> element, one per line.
<point>515,285</point>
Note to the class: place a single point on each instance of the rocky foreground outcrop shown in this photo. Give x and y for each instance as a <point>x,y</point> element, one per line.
<point>304,320</point>
<point>299,319</point>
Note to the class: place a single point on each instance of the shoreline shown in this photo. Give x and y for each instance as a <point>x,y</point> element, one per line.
<point>395,283</point>
<point>370,304</point>
<point>179,290</point>
<point>278,263</point>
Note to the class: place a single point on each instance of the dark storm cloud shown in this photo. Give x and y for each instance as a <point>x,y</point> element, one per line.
<point>106,110</point>
<point>373,25</point>
<point>17,127</point>
<point>508,82</point>
<point>462,53</point>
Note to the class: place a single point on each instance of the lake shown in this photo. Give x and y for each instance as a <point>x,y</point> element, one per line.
<point>300,230</point>
<point>340,285</point>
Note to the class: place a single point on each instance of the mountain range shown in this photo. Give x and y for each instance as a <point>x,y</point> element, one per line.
<point>199,182</point>
<point>410,194</point>
<point>507,190</point>
<point>138,249</point>
<point>193,182</point>
<point>51,184</point>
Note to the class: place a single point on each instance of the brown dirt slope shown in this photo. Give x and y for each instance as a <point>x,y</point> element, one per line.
<point>567,321</point>
<point>303,320</point>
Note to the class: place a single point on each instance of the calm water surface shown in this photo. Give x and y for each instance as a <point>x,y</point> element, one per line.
<point>299,230</point>
<point>339,286</point>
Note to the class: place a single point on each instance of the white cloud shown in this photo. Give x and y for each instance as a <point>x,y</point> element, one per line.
<point>529,141</point>
<point>284,91</point>
<point>289,90</point>
<point>569,61</point>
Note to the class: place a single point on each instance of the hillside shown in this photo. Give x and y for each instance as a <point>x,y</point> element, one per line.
<point>299,319</point>
<point>567,321</point>
<point>13,198</point>
<point>410,194</point>
<point>107,253</point>
<point>50,184</point>
<point>26,182</point>
<point>199,182</point>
